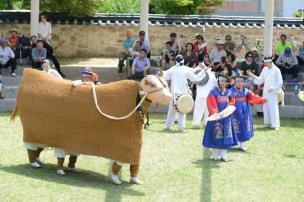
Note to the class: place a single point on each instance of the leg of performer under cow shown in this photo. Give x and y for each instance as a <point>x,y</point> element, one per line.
<point>32,158</point>
<point>134,168</point>
<point>116,167</point>
<point>38,152</point>
<point>72,164</point>
<point>60,170</point>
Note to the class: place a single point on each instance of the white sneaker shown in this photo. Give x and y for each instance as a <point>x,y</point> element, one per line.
<point>60,172</point>
<point>224,155</point>
<point>35,165</point>
<point>115,179</point>
<point>242,146</point>
<point>13,74</point>
<point>75,170</point>
<point>39,161</point>
<point>134,180</point>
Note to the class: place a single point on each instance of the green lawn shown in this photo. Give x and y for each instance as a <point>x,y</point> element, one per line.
<point>174,167</point>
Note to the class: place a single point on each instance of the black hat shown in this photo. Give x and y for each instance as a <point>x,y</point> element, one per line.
<point>142,33</point>
<point>239,76</point>
<point>267,59</point>
<point>179,59</point>
<point>222,74</point>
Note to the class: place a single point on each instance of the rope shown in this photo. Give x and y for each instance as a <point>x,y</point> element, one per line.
<point>115,117</point>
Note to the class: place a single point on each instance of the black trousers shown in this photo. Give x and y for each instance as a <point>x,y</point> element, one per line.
<point>293,71</point>
<point>37,65</point>
<point>11,63</point>
<point>55,62</point>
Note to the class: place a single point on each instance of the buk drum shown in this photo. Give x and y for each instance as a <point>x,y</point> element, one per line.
<point>184,103</point>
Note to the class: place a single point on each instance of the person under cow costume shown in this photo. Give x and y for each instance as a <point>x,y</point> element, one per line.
<point>242,117</point>
<point>219,133</point>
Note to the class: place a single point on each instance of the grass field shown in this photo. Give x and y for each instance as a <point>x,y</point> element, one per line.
<point>174,167</point>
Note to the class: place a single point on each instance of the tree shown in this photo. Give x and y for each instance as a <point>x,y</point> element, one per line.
<point>120,6</point>
<point>185,7</point>
<point>72,7</point>
<point>298,14</point>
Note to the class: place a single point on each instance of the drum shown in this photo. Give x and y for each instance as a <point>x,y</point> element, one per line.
<point>301,95</point>
<point>223,114</point>
<point>184,103</point>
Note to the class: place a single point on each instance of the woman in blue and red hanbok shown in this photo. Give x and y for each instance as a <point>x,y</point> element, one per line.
<point>219,134</point>
<point>242,117</point>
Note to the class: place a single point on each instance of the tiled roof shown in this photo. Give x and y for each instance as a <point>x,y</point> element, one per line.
<point>11,17</point>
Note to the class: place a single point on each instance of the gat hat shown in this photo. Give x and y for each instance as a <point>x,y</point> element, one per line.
<point>222,75</point>
<point>142,33</point>
<point>220,42</point>
<point>287,51</point>
<point>179,59</point>
<point>267,59</point>
<point>13,30</point>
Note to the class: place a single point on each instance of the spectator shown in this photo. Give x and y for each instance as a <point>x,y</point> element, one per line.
<point>231,61</point>
<point>288,63</point>
<point>128,46</point>
<point>1,87</point>
<point>14,40</point>
<point>229,45</point>
<point>257,58</point>
<point>249,64</point>
<point>45,29</point>
<point>46,66</point>
<point>49,53</point>
<point>168,56</point>
<point>190,58</point>
<point>144,43</point>
<point>280,47</point>
<point>38,55</point>
<point>140,66</point>
<point>7,57</point>
<point>176,47</point>
<point>301,55</point>
<point>200,48</point>
<point>135,53</point>
<point>217,55</point>
<point>227,68</point>
<point>20,45</point>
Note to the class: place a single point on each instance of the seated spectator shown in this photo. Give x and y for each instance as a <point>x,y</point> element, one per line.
<point>176,47</point>
<point>231,61</point>
<point>168,56</point>
<point>1,87</point>
<point>140,66</point>
<point>282,45</point>
<point>20,45</point>
<point>7,57</point>
<point>200,48</point>
<point>229,45</point>
<point>49,53</point>
<point>217,55</point>
<point>38,55</point>
<point>249,65</point>
<point>135,52</point>
<point>127,46</point>
<point>45,30</point>
<point>46,67</point>
<point>144,43</point>
<point>14,41</point>
<point>301,55</point>
<point>257,58</point>
<point>288,63</point>
<point>190,57</point>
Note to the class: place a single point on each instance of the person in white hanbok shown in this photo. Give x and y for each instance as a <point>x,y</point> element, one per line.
<point>271,77</point>
<point>179,76</point>
<point>202,91</point>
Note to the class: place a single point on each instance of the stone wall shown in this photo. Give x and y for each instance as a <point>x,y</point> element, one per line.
<point>105,40</point>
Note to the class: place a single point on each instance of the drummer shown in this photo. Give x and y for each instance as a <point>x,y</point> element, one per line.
<point>220,134</point>
<point>179,74</point>
<point>242,117</point>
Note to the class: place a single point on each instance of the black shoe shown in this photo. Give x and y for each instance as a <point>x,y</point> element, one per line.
<point>62,75</point>
<point>120,69</point>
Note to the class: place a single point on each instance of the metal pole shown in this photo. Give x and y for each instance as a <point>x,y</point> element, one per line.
<point>144,17</point>
<point>34,17</point>
<point>268,30</point>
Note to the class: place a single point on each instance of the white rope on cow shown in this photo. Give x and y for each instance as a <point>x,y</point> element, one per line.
<point>115,117</point>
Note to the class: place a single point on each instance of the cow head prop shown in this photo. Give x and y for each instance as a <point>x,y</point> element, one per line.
<point>156,88</point>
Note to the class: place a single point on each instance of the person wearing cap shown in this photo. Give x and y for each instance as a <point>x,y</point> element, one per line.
<point>127,50</point>
<point>176,46</point>
<point>242,117</point>
<point>14,40</point>
<point>46,67</point>
<point>229,45</point>
<point>7,56</point>
<point>217,55</point>
<point>200,47</point>
<point>144,43</point>
<point>288,63</point>
<point>282,45</point>
<point>272,79</point>
<point>200,110</point>
<point>49,53</point>
<point>179,75</point>
<point>45,29</point>
<point>38,55</point>
<point>220,134</point>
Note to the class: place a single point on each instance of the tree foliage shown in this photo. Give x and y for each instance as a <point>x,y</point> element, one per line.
<point>120,6</point>
<point>185,7</point>
<point>298,14</point>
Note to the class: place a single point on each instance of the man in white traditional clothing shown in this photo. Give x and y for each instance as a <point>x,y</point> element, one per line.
<point>179,76</point>
<point>271,77</point>
<point>203,89</point>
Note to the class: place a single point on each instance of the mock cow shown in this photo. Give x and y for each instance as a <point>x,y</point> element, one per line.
<point>56,114</point>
